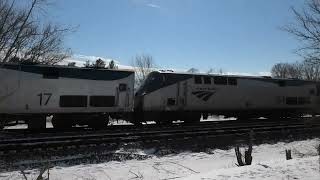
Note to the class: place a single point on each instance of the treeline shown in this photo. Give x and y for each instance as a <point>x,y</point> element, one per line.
<point>98,64</point>
<point>305,70</point>
<point>306,29</point>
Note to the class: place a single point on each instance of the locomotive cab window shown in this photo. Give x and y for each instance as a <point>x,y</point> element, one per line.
<point>207,80</point>
<point>73,101</point>
<point>197,80</point>
<point>154,81</point>
<point>220,80</point>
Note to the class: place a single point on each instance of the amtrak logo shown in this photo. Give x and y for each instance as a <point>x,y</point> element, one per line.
<point>203,95</point>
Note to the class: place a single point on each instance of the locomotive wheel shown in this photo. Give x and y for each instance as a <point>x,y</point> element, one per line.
<point>37,122</point>
<point>243,118</point>
<point>99,122</point>
<point>138,124</point>
<point>61,122</point>
<point>2,123</point>
<point>191,118</point>
<point>164,118</point>
<point>164,122</point>
<point>136,118</point>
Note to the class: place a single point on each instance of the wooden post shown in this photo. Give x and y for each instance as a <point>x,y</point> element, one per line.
<point>239,156</point>
<point>248,155</point>
<point>288,154</point>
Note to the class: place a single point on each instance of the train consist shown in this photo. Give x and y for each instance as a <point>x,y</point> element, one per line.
<point>88,96</point>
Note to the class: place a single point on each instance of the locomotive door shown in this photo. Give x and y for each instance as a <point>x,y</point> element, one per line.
<point>123,95</point>
<point>181,95</point>
<point>9,86</point>
<point>317,99</point>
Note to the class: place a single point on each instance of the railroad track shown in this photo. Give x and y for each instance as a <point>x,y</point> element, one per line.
<point>12,133</point>
<point>34,150</point>
<point>113,138</point>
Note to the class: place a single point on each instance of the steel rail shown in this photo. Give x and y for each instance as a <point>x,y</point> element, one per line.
<point>23,133</point>
<point>115,138</point>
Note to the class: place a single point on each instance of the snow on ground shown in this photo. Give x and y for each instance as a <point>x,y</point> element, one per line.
<point>302,168</point>
<point>268,163</point>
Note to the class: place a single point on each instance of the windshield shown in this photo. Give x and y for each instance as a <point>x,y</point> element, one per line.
<point>153,81</point>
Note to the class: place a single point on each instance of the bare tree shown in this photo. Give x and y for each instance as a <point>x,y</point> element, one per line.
<point>214,71</point>
<point>193,70</point>
<point>47,47</point>
<point>307,29</point>
<point>210,71</point>
<point>279,70</point>
<point>72,64</point>
<point>22,35</point>
<point>287,70</point>
<point>99,63</point>
<point>87,64</point>
<point>112,65</point>
<point>310,70</point>
<point>143,65</point>
<point>307,70</point>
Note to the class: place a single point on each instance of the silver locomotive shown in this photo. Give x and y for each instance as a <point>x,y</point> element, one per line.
<point>169,96</point>
<point>71,95</point>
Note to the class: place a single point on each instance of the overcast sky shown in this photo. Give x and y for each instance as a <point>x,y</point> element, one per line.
<point>235,35</point>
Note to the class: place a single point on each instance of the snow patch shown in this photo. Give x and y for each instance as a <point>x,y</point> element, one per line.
<point>268,163</point>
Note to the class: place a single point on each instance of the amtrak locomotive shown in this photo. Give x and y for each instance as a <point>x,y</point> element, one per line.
<point>88,96</point>
<point>168,96</point>
<point>71,95</point>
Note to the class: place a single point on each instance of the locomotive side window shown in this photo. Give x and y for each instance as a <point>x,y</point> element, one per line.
<point>207,80</point>
<point>122,87</point>
<point>171,102</point>
<point>292,100</point>
<point>102,101</point>
<point>304,100</point>
<point>50,73</point>
<point>73,101</point>
<point>298,100</point>
<point>232,81</point>
<point>197,80</point>
<point>220,80</point>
